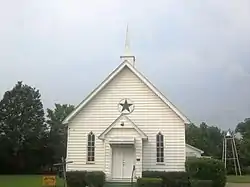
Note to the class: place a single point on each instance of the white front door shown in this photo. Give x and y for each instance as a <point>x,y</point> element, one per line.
<point>116,163</point>
<point>122,162</point>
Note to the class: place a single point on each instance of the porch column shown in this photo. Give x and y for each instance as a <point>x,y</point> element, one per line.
<point>138,153</point>
<point>108,161</point>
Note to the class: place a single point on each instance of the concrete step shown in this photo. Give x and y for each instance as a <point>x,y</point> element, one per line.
<point>119,184</point>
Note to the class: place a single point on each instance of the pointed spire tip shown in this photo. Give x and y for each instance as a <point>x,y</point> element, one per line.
<point>127,46</point>
<point>127,53</point>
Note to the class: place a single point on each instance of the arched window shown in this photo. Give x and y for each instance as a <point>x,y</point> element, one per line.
<point>91,147</point>
<point>159,147</point>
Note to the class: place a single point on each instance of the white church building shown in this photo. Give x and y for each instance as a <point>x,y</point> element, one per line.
<point>127,123</point>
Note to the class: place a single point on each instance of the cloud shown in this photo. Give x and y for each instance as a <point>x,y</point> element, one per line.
<point>199,49</point>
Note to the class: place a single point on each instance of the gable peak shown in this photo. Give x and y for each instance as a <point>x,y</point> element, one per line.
<point>127,56</point>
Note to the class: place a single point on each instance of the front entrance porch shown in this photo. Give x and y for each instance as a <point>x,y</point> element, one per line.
<point>122,157</point>
<point>123,142</point>
<point>123,161</point>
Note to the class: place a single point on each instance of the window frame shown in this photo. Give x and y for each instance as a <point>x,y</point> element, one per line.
<point>90,147</point>
<point>160,148</point>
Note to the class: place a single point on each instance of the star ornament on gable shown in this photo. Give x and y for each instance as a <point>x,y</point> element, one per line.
<point>126,106</point>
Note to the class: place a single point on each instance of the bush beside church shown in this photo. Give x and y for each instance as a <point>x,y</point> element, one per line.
<point>207,169</point>
<point>85,178</point>
<point>200,172</point>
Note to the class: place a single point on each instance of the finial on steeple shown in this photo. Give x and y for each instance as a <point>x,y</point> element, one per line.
<point>127,53</point>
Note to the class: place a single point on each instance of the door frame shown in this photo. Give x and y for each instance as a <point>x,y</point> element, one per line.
<point>121,146</point>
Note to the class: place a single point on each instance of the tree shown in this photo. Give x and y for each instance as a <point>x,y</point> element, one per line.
<point>244,144</point>
<point>21,124</point>
<point>244,128</point>
<point>58,132</point>
<point>207,138</point>
<point>193,135</point>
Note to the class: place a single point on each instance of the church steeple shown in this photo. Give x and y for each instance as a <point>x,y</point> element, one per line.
<point>127,56</point>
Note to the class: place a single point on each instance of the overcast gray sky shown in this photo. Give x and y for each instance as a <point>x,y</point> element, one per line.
<point>196,52</point>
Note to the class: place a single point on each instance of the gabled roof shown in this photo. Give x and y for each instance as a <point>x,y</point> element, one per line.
<point>195,148</point>
<point>110,78</point>
<point>143,135</point>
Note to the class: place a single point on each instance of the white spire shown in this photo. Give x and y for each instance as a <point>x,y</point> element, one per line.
<point>127,53</point>
<point>127,46</point>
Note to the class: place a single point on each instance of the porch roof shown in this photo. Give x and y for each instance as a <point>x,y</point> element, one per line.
<point>122,118</point>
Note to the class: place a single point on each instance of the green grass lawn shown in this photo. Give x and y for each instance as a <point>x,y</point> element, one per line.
<point>36,180</point>
<point>24,181</point>
<point>238,179</point>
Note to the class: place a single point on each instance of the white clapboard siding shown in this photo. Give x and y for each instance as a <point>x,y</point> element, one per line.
<point>150,114</point>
